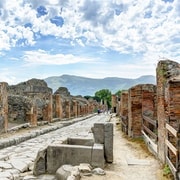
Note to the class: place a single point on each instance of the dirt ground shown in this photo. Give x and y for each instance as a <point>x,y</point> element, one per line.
<point>132,160</point>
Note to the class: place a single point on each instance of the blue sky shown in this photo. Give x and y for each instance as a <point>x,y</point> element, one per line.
<point>91,38</point>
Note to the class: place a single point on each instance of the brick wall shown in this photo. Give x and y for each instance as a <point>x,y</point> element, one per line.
<point>124,111</point>
<point>165,70</point>
<point>172,99</point>
<point>134,111</point>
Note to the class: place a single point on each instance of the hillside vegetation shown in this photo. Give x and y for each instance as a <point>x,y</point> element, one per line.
<point>78,85</point>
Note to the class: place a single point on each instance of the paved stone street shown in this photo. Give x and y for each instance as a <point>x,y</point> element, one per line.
<point>16,161</point>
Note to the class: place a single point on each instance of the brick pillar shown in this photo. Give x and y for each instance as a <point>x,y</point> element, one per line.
<point>3,107</point>
<point>160,109</point>
<point>87,109</point>
<point>149,109</point>
<point>79,109</point>
<point>114,103</point>
<point>135,111</point>
<point>82,110</point>
<point>67,109</point>
<point>149,104</point>
<point>47,112</point>
<point>32,116</point>
<point>58,106</point>
<point>124,111</point>
<point>75,108</point>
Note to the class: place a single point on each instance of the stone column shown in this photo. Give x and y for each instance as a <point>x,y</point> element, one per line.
<point>3,107</point>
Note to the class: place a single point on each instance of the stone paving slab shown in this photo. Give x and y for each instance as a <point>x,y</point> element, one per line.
<point>17,159</point>
<point>32,133</point>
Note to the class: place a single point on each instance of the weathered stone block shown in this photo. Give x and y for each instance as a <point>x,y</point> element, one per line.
<point>98,156</point>
<point>40,162</point>
<point>66,172</point>
<point>98,132</point>
<point>67,154</point>
<point>108,142</point>
<point>80,141</point>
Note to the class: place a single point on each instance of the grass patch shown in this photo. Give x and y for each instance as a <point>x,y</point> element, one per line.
<point>167,172</point>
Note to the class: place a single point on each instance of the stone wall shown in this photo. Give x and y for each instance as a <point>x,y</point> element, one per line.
<point>19,106</point>
<point>3,107</point>
<point>23,96</point>
<point>34,101</point>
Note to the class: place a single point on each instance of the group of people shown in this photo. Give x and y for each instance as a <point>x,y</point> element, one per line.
<point>102,111</point>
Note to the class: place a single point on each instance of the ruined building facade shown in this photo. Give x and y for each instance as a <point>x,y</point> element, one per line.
<point>33,101</point>
<point>153,112</point>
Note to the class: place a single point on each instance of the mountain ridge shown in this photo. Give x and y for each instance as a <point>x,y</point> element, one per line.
<point>79,85</point>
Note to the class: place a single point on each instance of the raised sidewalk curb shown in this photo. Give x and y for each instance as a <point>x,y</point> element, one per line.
<point>16,139</point>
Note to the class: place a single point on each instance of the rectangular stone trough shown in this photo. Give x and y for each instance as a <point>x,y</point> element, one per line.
<point>76,150</point>
<point>80,151</point>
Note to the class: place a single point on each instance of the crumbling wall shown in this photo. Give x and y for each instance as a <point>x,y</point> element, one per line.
<point>141,101</point>
<point>165,70</point>
<point>3,107</point>
<point>135,111</point>
<point>124,111</point>
<point>172,109</point>
<point>23,96</point>
<point>18,107</point>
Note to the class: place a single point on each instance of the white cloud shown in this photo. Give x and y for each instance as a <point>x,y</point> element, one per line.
<point>42,57</point>
<point>147,27</point>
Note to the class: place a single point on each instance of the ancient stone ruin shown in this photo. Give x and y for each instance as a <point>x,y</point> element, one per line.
<point>75,151</point>
<point>145,110</point>
<point>3,107</point>
<point>33,102</point>
<point>153,112</point>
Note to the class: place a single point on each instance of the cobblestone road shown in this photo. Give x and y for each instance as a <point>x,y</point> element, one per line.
<point>16,162</point>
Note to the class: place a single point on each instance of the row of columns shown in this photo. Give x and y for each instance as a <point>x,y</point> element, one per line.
<point>56,107</point>
<point>61,109</point>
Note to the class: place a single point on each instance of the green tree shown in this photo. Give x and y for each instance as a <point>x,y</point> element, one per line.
<point>104,95</point>
<point>118,93</point>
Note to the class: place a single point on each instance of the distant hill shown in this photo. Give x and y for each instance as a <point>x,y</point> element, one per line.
<point>78,85</point>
